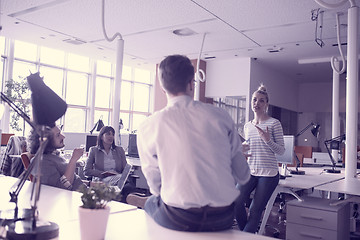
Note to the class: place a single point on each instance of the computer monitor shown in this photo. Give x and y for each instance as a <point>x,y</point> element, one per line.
<point>288,156</point>
<point>132,149</point>
<point>91,140</point>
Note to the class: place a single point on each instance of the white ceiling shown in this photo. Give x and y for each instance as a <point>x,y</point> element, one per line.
<point>234,28</point>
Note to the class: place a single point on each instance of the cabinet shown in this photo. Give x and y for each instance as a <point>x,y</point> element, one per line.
<point>315,218</point>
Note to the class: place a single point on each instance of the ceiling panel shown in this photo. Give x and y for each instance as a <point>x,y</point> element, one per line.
<point>17,6</point>
<point>235,28</point>
<point>126,17</point>
<point>255,14</point>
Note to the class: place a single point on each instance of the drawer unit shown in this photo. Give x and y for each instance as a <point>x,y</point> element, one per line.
<point>294,231</point>
<point>315,218</point>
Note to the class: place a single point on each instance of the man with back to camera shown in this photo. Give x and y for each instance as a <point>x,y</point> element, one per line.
<point>191,156</point>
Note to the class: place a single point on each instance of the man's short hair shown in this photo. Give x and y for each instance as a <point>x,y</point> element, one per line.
<point>176,72</point>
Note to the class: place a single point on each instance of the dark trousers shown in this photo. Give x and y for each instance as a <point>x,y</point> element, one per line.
<point>264,187</point>
<point>204,219</point>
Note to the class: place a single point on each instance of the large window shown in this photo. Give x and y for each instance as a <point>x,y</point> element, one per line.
<point>87,85</point>
<point>236,107</point>
<point>135,97</point>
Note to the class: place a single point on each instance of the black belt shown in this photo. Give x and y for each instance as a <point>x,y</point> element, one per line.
<point>210,209</point>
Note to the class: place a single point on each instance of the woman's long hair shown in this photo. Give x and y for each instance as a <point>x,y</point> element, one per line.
<point>104,130</point>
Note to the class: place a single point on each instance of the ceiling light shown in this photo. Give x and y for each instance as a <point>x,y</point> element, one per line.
<point>184,32</point>
<point>74,41</point>
<point>342,44</point>
<point>314,60</point>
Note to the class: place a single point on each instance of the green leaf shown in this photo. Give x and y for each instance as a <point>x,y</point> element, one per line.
<point>97,196</point>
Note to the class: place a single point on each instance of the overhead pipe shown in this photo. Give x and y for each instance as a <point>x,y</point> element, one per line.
<point>335,107</point>
<point>333,59</point>
<point>200,74</point>
<point>115,119</point>
<point>352,93</point>
<point>351,86</point>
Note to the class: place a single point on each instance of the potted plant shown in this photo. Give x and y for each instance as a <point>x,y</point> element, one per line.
<point>94,213</point>
<point>18,92</point>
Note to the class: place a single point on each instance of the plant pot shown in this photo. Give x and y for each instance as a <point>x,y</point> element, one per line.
<point>93,223</point>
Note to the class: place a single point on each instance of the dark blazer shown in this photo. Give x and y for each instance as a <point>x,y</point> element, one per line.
<point>95,162</point>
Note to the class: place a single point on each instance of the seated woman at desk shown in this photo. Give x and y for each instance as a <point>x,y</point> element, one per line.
<point>106,161</point>
<point>55,170</point>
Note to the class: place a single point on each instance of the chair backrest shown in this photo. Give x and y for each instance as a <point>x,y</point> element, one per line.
<point>305,150</point>
<point>11,164</point>
<point>5,138</point>
<point>25,158</point>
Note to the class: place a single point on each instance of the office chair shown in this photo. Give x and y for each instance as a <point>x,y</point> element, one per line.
<point>11,164</point>
<point>25,158</point>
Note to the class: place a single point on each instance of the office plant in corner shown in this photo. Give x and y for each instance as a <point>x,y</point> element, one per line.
<point>94,213</point>
<point>18,92</point>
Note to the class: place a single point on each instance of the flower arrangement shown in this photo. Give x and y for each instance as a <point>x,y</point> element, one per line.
<point>97,195</point>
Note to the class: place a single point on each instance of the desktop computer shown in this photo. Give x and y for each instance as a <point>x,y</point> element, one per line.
<point>132,149</point>
<point>91,140</point>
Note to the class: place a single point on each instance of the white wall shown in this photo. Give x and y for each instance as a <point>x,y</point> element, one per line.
<point>315,105</point>
<point>313,101</point>
<point>282,90</point>
<point>227,77</point>
<point>242,76</point>
<point>315,97</point>
<point>74,140</point>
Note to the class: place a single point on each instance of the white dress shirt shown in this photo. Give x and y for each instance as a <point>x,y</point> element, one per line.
<point>191,154</point>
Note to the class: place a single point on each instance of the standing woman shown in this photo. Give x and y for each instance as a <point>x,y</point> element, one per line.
<point>264,134</point>
<point>107,161</point>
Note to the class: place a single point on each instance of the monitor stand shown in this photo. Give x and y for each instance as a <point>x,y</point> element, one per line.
<point>297,172</point>
<point>284,171</point>
<point>332,170</point>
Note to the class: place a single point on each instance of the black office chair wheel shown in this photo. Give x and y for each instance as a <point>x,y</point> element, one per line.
<point>276,234</point>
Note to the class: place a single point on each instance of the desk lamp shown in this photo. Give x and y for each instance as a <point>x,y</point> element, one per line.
<point>47,107</point>
<point>315,129</point>
<point>98,125</point>
<point>333,143</point>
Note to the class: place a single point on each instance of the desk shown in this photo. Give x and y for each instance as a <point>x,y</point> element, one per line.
<point>55,204</point>
<point>314,176</point>
<point>141,181</point>
<point>133,161</point>
<point>348,186</point>
<point>138,225</point>
<point>125,221</point>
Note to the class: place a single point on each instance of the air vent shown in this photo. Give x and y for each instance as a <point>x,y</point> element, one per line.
<point>212,57</point>
<point>74,41</point>
<point>275,49</point>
